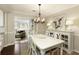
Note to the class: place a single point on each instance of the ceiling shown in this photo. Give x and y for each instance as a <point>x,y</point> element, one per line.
<point>32,9</point>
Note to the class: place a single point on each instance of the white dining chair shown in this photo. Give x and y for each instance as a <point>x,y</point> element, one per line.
<point>32,47</point>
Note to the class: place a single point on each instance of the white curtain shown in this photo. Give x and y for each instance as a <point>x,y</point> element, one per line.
<point>1,18</point>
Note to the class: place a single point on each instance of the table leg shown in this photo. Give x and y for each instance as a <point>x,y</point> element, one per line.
<point>17,48</point>
<point>61,49</point>
<point>0,51</point>
<point>42,52</point>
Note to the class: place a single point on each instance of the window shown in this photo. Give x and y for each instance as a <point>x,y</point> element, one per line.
<point>22,23</point>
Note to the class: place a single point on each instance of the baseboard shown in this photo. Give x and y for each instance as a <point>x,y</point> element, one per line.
<point>76,51</point>
<point>9,44</point>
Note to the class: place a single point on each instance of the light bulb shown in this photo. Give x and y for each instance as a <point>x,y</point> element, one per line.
<point>38,19</point>
<point>35,20</point>
<point>43,20</point>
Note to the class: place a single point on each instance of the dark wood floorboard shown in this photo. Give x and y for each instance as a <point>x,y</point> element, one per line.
<point>9,50</point>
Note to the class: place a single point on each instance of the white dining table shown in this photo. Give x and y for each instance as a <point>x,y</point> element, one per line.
<point>45,43</point>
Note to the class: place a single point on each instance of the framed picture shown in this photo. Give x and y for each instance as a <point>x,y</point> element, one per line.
<point>58,23</point>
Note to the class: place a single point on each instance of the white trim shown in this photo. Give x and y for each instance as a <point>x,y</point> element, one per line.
<point>76,51</point>
<point>8,44</point>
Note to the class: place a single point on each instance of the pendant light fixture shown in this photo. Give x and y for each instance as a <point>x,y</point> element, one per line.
<point>39,19</point>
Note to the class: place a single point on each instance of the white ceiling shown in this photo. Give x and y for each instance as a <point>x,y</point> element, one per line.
<point>46,9</point>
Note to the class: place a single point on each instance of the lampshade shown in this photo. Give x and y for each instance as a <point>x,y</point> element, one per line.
<point>69,22</point>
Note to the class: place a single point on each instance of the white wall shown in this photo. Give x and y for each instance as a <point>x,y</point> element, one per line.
<point>9,29</point>
<point>40,28</point>
<point>1,18</point>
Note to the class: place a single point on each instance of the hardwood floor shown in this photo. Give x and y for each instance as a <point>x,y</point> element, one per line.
<point>10,51</point>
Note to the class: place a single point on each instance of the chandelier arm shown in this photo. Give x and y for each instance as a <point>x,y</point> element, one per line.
<point>39,10</point>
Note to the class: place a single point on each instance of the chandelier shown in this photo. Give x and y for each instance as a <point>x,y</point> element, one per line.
<point>39,18</point>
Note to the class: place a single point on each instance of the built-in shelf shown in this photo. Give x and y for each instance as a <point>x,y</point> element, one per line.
<point>66,36</point>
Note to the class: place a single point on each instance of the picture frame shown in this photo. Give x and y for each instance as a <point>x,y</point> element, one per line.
<point>58,23</point>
